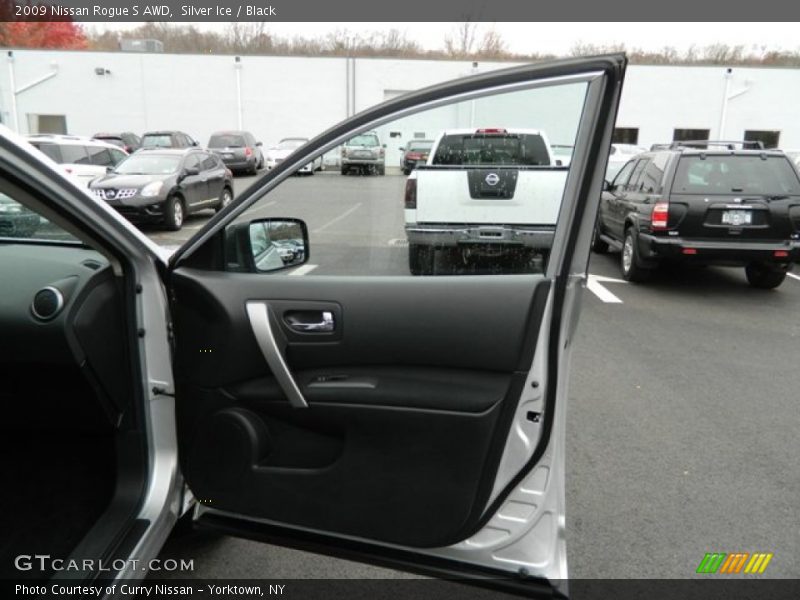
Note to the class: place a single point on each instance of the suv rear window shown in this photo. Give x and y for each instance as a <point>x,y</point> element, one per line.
<point>363,140</point>
<point>736,174</point>
<point>157,141</point>
<point>226,141</point>
<point>491,149</point>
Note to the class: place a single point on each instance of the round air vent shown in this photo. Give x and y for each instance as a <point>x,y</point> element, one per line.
<point>47,303</point>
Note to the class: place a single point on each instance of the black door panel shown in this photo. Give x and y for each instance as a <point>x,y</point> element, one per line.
<point>443,322</point>
<point>420,409</point>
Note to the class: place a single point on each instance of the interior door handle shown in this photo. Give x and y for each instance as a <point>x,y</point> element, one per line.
<point>259,315</point>
<point>325,324</point>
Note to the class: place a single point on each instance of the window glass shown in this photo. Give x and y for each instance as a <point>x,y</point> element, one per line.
<point>227,140</point>
<point>117,156</point>
<point>735,174</point>
<point>652,176</point>
<point>149,164</point>
<point>363,140</point>
<point>100,156</point>
<point>74,154</point>
<point>157,141</point>
<point>17,222</point>
<point>192,162</point>
<point>50,150</point>
<point>209,162</point>
<point>488,205</point>
<point>636,177</point>
<point>492,147</point>
<point>622,177</point>
<point>769,138</point>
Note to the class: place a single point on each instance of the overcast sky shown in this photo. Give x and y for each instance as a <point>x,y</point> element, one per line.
<point>559,38</point>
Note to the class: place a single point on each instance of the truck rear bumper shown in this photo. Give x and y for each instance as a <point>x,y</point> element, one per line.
<point>456,235</point>
<point>723,252</point>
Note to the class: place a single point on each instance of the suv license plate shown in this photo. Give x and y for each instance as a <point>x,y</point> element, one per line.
<point>737,217</point>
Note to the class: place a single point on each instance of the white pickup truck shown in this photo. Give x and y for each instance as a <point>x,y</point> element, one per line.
<point>484,192</point>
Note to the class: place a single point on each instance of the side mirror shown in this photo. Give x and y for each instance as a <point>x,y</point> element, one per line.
<point>109,170</point>
<point>383,145</point>
<point>191,171</point>
<point>194,142</point>
<point>402,149</point>
<point>559,162</point>
<point>259,144</point>
<point>266,245</point>
<point>606,185</point>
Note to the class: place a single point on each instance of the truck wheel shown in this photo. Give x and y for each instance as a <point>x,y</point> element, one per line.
<point>629,260</point>
<point>598,245</point>
<point>420,259</point>
<point>764,276</point>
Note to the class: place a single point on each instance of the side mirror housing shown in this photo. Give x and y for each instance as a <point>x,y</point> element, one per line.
<point>402,149</point>
<point>191,171</point>
<point>606,185</point>
<point>266,245</point>
<point>259,144</point>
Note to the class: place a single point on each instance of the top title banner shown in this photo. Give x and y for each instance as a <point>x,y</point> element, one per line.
<point>110,11</point>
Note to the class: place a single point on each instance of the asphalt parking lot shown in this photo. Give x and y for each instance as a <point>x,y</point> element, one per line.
<point>682,427</point>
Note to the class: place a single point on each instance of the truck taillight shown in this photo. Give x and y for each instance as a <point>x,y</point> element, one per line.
<point>491,130</point>
<point>660,216</point>
<point>411,193</point>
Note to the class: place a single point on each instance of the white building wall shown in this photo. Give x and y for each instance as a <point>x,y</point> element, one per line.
<point>296,96</point>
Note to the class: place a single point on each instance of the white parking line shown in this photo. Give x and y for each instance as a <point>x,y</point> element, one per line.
<point>793,276</point>
<point>337,219</point>
<point>593,285</point>
<point>303,270</point>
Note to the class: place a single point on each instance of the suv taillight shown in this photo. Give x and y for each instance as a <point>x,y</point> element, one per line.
<point>411,193</point>
<point>660,216</point>
<point>248,151</point>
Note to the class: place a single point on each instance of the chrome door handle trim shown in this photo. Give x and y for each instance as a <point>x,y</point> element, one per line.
<point>326,325</point>
<point>258,313</point>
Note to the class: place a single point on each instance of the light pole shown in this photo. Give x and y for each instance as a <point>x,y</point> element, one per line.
<point>237,65</point>
<point>728,96</point>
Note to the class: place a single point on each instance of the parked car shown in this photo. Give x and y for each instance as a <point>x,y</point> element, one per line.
<point>415,423</point>
<point>16,221</point>
<point>618,155</point>
<point>239,150</point>
<point>415,152</point>
<point>703,203</point>
<point>130,142</point>
<point>478,195</point>
<point>166,185</point>
<point>364,153</point>
<point>167,139</point>
<point>277,154</point>
<point>82,159</point>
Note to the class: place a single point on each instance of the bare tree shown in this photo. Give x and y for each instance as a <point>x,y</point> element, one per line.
<point>461,43</point>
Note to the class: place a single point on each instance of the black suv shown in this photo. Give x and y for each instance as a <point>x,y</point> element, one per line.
<point>722,203</point>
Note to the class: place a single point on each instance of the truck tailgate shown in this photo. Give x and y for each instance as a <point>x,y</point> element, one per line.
<point>465,195</point>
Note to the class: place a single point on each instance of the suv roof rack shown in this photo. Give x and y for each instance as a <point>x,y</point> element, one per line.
<point>729,145</point>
